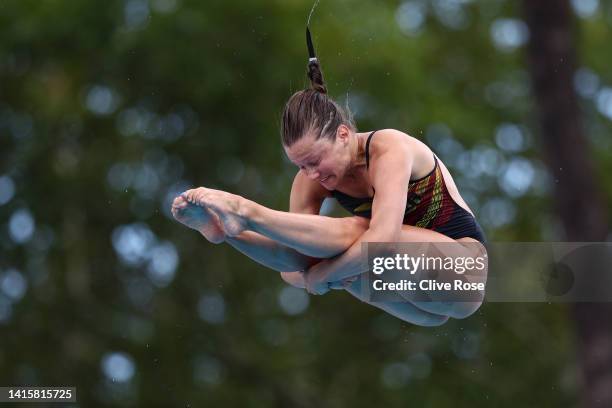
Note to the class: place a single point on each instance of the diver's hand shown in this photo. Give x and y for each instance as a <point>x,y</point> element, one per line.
<point>314,279</point>
<point>198,218</point>
<point>227,207</point>
<point>343,284</point>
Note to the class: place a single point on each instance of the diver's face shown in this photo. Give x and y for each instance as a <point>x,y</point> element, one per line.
<point>322,160</point>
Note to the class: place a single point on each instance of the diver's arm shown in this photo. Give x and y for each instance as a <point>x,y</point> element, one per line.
<point>390,171</point>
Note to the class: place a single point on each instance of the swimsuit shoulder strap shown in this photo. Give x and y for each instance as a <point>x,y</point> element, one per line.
<point>367,149</point>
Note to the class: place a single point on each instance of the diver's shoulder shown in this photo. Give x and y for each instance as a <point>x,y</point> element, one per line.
<point>391,139</point>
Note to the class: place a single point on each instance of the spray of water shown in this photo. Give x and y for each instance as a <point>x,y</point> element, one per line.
<point>312,11</point>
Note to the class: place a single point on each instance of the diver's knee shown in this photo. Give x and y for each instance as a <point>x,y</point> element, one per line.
<point>356,226</point>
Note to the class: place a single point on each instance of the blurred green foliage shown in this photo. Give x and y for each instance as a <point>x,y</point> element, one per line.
<point>109,108</point>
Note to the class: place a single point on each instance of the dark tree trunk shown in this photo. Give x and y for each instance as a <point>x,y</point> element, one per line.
<point>578,200</point>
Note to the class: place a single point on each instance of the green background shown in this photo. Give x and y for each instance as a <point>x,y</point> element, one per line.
<point>108,109</point>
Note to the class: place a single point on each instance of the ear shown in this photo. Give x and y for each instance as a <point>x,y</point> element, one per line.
<point>343,133</point>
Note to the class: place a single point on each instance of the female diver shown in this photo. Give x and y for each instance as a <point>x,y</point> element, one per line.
<point>397,189</point>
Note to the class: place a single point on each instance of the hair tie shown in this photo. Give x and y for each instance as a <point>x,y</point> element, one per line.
<point>311,51</point>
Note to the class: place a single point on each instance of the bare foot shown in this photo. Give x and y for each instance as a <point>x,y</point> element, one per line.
<point>198,218</point>
<point>225,205</point>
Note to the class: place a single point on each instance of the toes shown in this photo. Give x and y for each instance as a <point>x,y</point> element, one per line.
<point>195,196</point>
<point>190,195</point>
<point>178,201</point>
<point>179,206</point>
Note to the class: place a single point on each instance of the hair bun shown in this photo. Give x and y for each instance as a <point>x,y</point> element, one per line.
<point>316,76</point>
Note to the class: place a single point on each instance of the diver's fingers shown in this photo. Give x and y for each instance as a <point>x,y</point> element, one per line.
<point>349,281</point>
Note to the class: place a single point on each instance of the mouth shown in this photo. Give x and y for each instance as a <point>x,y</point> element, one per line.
<point>324,179</point>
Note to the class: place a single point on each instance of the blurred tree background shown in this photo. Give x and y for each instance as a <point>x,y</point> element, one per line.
<point>108,109</point>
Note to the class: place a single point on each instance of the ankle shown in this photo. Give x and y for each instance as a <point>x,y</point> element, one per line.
<point>247,211</point>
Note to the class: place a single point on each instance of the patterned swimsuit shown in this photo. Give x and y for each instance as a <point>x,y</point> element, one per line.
<point>429,205</point>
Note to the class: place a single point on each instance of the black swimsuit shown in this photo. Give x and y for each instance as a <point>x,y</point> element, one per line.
<point>429,205</point>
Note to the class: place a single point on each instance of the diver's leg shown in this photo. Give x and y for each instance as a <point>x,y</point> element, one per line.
<point>264,250</point>
<point>410,304</point>
<point>399,308</point>
<point>257,247</point>
<point>313,235</point>
<point>458,304</point>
